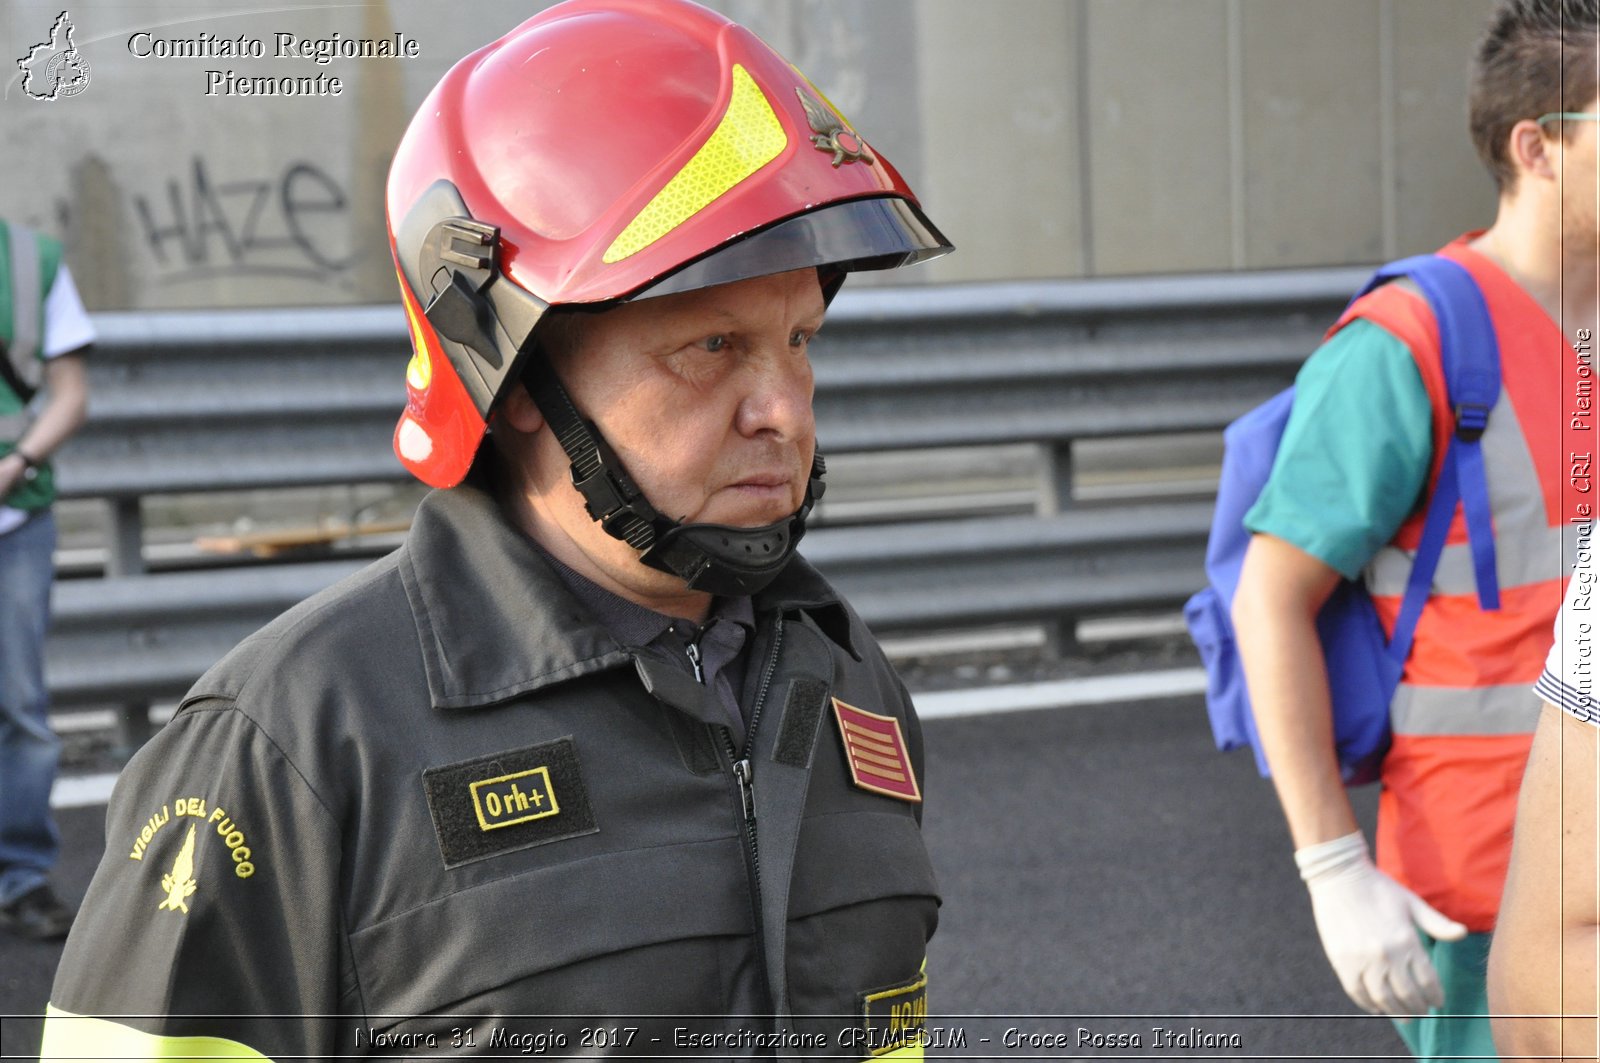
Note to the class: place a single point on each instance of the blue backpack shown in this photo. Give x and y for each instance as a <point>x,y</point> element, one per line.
<point>1364,667</point>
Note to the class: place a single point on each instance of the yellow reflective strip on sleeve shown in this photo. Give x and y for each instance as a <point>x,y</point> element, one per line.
<point>748,137</point>
<point>73,1037</point>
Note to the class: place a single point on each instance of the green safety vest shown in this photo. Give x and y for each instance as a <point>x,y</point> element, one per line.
<point>28,264</point>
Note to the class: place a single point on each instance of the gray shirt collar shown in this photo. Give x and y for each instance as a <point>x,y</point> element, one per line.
<point>720,641</point>
<point>632,624</point>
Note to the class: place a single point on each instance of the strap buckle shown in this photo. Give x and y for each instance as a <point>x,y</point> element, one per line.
<point>612,498</point>
<point>1472,419</point>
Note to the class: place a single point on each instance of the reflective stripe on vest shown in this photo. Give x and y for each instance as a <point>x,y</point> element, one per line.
<point>68,1036</point>
<point>1498,710</point>
<point>1465,698</point>
<point>1525,561</point>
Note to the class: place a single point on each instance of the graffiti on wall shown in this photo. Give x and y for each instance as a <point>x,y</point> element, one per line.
<point>292,225</point>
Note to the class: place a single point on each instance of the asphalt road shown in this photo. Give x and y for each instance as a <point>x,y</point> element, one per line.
<point>1103,870</point>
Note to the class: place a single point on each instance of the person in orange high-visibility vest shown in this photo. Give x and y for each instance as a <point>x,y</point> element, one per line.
<point>1409,935</point>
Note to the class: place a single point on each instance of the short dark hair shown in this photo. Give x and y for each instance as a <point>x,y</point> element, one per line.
<point>1537,56</point>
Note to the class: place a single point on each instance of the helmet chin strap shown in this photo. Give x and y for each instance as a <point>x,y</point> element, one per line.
<point>717,558</point>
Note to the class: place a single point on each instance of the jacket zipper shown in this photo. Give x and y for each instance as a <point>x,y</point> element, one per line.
<point>743,769</point>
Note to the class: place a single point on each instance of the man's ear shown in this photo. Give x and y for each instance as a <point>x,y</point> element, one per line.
<point>519,411</point>
<point>1532,151</point>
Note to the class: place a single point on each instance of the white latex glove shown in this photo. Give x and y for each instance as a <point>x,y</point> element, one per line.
<point>1368,923</point>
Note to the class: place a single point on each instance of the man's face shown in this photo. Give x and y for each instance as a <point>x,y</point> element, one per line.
<point>1580,226</point>
<point>706,398</point>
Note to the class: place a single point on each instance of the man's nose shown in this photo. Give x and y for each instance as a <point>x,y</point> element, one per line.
<point>777,396</point>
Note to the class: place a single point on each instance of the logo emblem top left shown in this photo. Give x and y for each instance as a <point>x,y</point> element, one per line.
<point>55,68</point>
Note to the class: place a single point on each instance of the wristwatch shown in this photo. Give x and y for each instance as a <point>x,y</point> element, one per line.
<point>30,468</point>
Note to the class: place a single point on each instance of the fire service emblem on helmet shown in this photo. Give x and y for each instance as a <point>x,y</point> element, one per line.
<point>830,134</point>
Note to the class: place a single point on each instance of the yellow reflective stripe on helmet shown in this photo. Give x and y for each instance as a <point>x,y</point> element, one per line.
<point>748,137</point>
<point>419,373</point>
<point>68,1036</point>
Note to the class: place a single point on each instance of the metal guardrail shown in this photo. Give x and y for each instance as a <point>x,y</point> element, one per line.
<point>234,400</point>
<point>199,401</point>
<point>148,637</point>
<point>239,399</point>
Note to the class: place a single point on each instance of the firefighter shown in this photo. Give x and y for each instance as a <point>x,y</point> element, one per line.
<point>595,758</point>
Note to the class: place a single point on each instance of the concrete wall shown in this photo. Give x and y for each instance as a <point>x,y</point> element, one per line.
<point>1049,138</point>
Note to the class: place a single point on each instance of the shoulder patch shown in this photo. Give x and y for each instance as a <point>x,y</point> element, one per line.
<point>508,801</point>
<point>875,749</point>
<point>181,879</point>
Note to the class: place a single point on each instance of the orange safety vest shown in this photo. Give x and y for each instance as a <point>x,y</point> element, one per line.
<point>1464,714</point>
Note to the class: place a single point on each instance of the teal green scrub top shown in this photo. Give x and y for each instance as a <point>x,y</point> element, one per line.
<point>1355,454</point>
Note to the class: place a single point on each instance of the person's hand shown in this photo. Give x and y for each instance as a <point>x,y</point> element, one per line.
<point>11,469</point>
<point>1368,923</point>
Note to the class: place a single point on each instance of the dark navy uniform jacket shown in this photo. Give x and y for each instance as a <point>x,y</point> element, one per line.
<point>438,807</point>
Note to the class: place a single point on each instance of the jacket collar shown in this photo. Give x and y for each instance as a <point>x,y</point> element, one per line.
<point>494,621</point>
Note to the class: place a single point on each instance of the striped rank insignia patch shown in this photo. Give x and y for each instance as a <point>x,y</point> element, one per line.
<point>876,752</point>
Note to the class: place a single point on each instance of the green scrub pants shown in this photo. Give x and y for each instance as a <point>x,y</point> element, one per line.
<point>1460,1028</point>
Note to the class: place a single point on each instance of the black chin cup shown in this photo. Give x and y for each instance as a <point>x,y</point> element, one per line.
<point>731,561</point>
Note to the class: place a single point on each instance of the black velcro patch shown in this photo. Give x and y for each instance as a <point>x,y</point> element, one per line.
<point>508,801</point>
<point>801,711</point>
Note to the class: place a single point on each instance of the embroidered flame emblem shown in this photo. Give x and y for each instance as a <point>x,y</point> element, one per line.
<point>829,133</point>
<point>179,882</point>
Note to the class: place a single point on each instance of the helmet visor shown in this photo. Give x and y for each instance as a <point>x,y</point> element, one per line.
<point>858,234</point>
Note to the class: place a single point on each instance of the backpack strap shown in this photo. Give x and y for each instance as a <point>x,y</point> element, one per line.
<point>1435,530</point>
<point>1472,374</point>
<point>1470,357</point>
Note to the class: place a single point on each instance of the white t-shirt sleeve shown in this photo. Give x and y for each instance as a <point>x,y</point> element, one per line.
<point>1569,675</point>
<point>66,324</point>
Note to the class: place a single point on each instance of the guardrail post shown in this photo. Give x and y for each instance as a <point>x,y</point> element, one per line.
<point>1055,496</point>
<point>1055,478</point>
<point>125,557</point>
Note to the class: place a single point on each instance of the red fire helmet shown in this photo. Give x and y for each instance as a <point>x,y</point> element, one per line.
<point>607,150</point>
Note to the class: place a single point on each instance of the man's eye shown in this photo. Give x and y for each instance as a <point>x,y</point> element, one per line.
<point>799,338</point>
<point>714,343</point>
